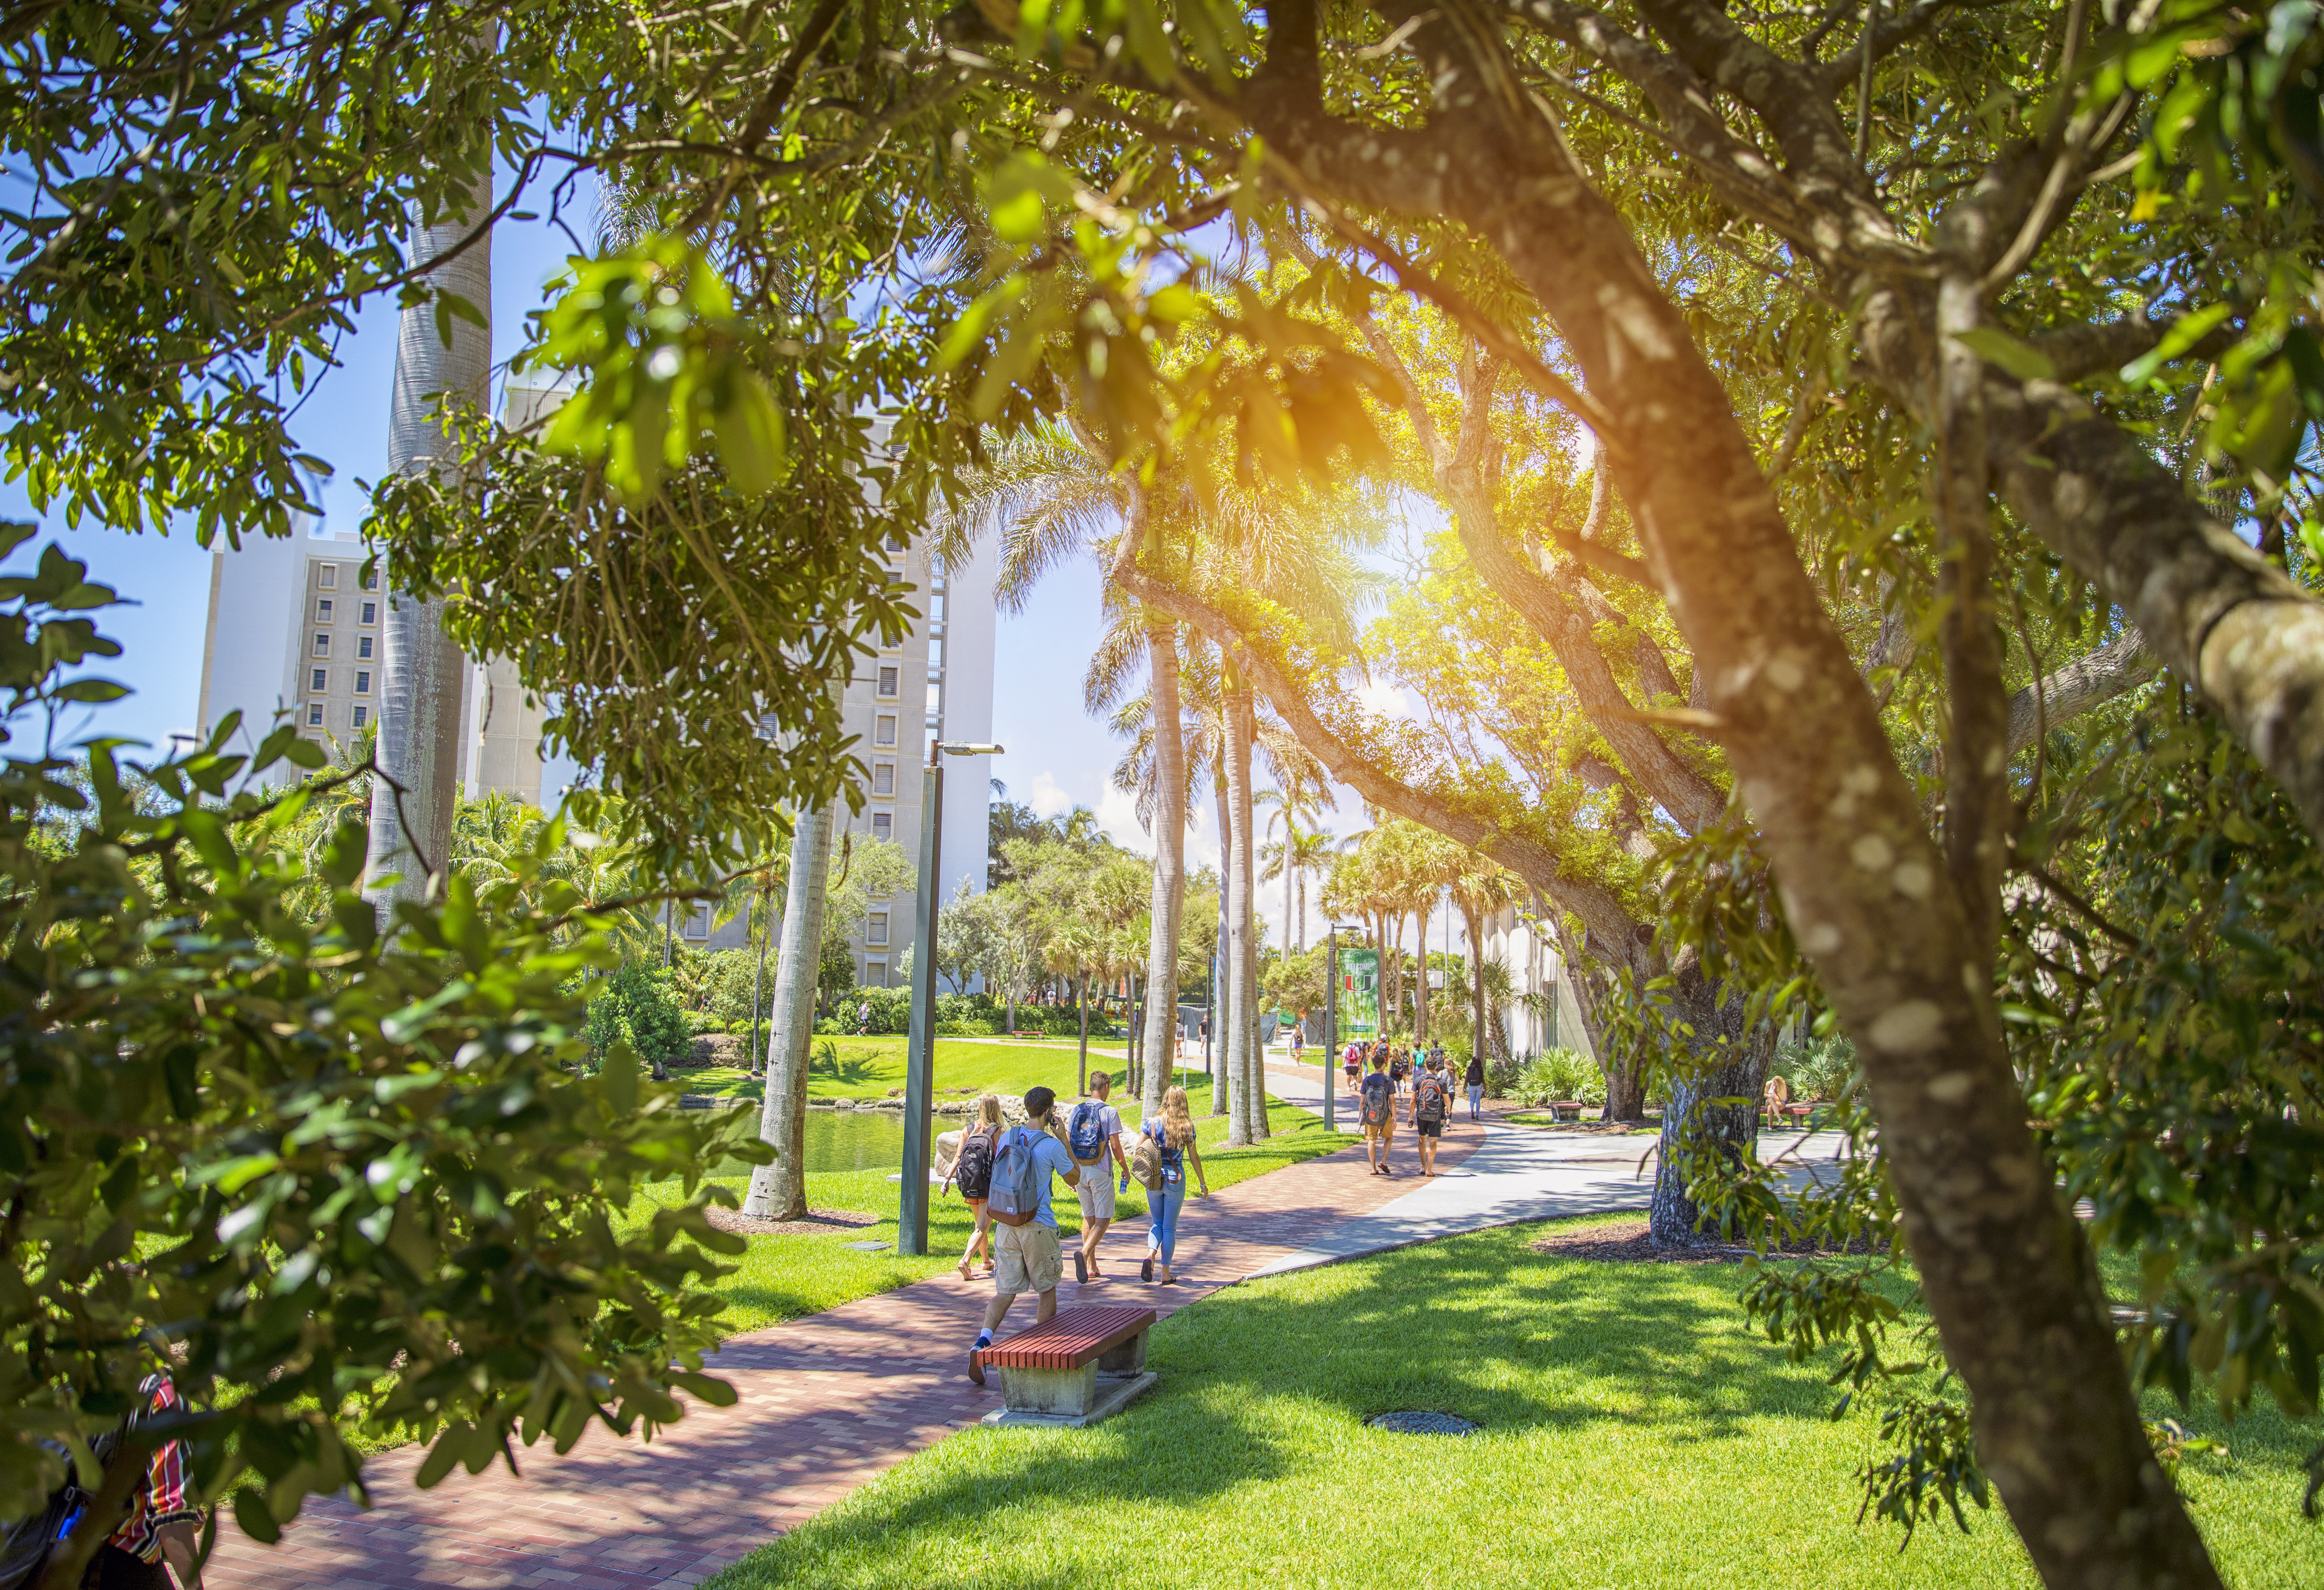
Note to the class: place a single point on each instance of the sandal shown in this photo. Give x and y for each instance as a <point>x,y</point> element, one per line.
<point>1146,1270</point>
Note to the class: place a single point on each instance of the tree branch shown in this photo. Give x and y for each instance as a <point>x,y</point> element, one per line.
<point>2115,669</point>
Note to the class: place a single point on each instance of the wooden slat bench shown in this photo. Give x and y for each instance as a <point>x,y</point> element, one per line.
<point>1084,1365</point>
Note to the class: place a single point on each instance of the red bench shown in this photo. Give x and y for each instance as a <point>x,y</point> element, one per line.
<point>1084,1363</point>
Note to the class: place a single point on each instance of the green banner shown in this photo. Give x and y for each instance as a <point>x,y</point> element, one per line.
<point>1360,982</point>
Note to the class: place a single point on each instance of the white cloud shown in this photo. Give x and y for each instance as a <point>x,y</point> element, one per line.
<point>1045,798</point>
<point>1386,700</point>
<point>1117,814</point>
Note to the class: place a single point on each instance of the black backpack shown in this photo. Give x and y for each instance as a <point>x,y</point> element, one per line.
<point>973,1171</point>
<point>26,1550</point>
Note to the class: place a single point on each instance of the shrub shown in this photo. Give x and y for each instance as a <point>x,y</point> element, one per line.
<point>635,1006</point>
<point>1560,1074</point>
<point>1818,1070</point>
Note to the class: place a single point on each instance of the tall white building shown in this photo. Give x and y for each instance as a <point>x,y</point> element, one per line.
<point>295,628</point>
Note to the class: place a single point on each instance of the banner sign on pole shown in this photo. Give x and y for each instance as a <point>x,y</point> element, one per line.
<point>1360,982</point>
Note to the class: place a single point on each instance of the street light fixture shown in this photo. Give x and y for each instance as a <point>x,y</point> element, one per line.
<point>920,1056</point>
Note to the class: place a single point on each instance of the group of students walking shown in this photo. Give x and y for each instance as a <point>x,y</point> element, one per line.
<point>1401,1067</point>
<point>1004,1173</point>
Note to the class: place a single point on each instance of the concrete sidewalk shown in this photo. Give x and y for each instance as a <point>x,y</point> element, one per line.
<point>1517,1173</point>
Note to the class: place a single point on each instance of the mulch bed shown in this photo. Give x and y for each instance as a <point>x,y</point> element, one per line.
<point>1629,1244</point>
<point>818,1223</point>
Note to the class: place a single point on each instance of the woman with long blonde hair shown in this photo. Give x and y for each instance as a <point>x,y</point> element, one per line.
<point>1173,1134</point>
<point>973,1171</point>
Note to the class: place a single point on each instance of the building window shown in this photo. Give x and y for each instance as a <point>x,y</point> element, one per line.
<point>314,715</point>
<point>876,930</point>
<point>697,922</point>
<point>363,716</point>
<point>323,610</point>
<point>327,576</point>
<point>362,645</point>
<point>371,613</point>
<point>322,646</point>
<point>371,579</point>
<point>362,681</point>
<point>884,733</point>
<point>875,974</point>
<point>322,679</point>
<point>884,825</point>
<point>883,778</point>
<point>888,681</point>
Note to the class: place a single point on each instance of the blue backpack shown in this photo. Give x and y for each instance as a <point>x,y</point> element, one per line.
<point>1085,1133</point>
<point>1018,1178</point>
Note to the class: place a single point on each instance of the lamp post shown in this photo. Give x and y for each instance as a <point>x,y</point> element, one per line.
<point>920,1056</point>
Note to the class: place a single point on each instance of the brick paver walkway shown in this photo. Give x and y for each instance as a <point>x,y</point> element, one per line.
<point>824,1403</point>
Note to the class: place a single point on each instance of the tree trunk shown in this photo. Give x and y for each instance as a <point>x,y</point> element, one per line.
<point>1081,1000</point>
<point>1420,986</point>
<point>1691,1124</point>
<point>752,1061</point>
<point>1169,857</point>
<point>778,1191</point>
<point>1224,1083</point>
<point>1246,1115</point>
<point>421,671</point>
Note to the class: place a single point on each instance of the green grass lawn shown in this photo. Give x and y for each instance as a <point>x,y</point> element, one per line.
<point>783,1277</point>
<point>868,1067</point>
<point>1634,1435</point>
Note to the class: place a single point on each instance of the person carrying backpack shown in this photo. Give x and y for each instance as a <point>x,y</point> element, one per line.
<point>1165,1146</point>
<point>1093,1132</point>
<point>156,1524</point>
<point>1399,1067</point>
<point>972,1172</point>
<point>1376,1109</point>
<point>1352,1063</point>
<point>1476,1081</point>
<point>1431,1101</point>
<point>1024,1231</point>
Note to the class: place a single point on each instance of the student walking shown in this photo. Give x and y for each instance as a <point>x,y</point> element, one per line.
<point>1378,1113</point>
<point>972,1172</point>
<point>1166,1146</point>
<point>1431,1101</point>
<point>1399,1067</point>
<point>1024,1230</point>
<point>1475,1079</point>
<point>1093,1132</point>
<point>1352,1063</point>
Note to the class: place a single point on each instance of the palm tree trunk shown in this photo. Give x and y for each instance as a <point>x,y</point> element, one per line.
<point>1420,986</point>
<point>421,671</point>
<point>1287,838</point>
<point>1083,1001</point>
<point>1169,862</point>
<point>1224,1083</point>
<point>778,1191</point>
<point>1247,1114</point>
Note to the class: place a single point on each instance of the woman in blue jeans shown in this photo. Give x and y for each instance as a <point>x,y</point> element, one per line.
<point>1174,1138</point>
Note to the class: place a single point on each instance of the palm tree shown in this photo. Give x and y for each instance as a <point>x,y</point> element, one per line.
<point>421,671</point>
<point>1073,951</point>
<point>1293,802</point>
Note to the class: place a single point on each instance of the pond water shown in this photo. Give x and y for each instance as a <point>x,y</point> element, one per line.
<point>857,1140</point>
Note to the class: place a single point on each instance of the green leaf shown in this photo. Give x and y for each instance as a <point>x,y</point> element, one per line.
<point>2006,353</point>
<point>2185,332</point>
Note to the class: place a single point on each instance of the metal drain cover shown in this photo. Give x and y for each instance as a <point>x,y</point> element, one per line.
<point>1421,1424</point>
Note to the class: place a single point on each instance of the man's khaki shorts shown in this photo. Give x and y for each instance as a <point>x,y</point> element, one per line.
<point>1380,1128</point>
<point>1025,1259</point>
<point>1095,1190</point>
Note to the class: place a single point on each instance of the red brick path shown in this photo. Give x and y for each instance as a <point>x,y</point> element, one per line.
<point>825,1403</point>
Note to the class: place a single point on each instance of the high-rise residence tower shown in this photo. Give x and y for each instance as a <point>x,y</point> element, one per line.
<point>935,684</point>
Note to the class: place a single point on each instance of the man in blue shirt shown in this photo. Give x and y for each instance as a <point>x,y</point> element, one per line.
<point>1026,1257</point>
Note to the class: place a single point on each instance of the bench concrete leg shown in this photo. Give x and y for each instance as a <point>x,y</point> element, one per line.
<point>1129,1358</point>
<point>1069,1391</point>
<point>1112,1395</point>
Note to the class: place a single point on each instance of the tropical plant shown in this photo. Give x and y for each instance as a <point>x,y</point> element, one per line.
<point>636,1009</point>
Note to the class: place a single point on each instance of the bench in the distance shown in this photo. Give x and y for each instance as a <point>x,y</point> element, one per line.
<point>1084,1365</point>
